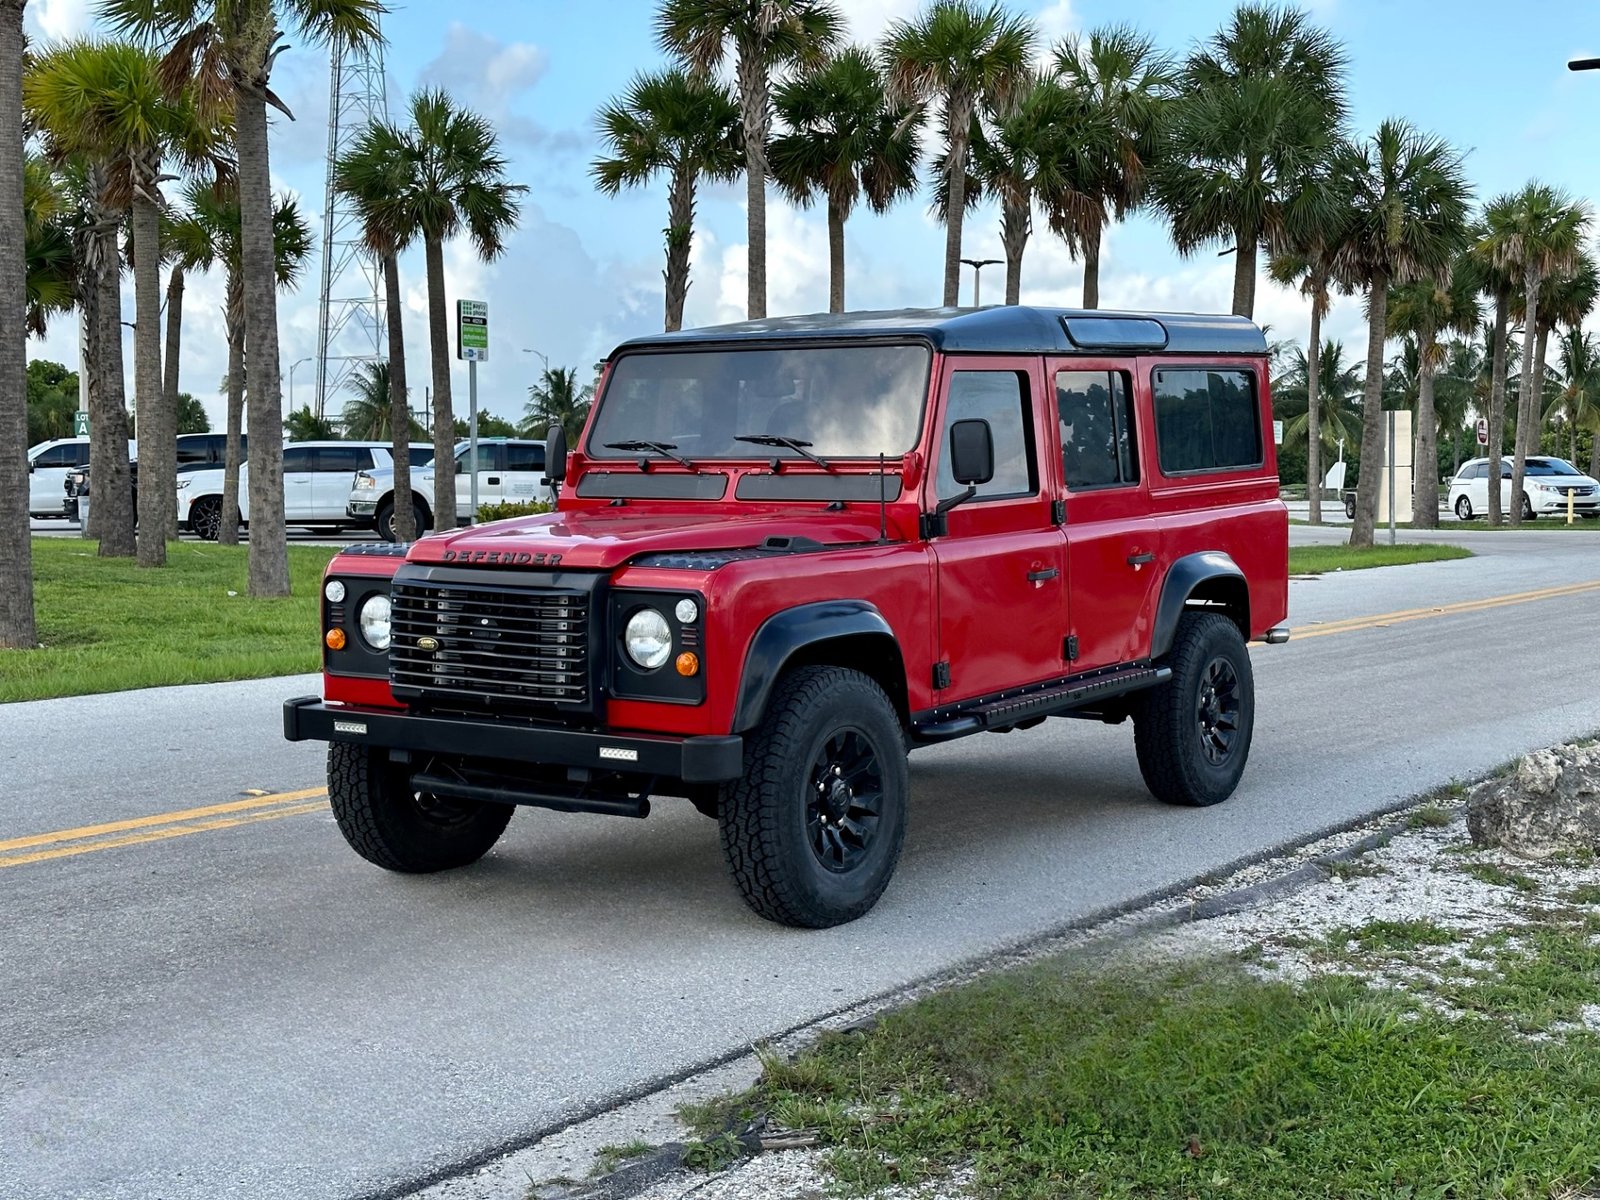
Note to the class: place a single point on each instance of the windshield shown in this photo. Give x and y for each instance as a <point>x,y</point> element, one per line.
<point>845,401</point>
<point>1551,466</point>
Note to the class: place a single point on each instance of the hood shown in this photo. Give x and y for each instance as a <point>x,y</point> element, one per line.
<point>602,541</point>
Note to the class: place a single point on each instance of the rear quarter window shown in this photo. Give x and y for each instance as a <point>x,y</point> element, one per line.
<point>1207,419</point>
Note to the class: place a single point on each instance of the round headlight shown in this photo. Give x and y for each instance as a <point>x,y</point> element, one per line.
<point>374,619</point>
<point>687,612</point>
<point>648,638</point>
<point>333,590</point>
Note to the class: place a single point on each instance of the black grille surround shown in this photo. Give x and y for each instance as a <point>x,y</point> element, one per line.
<point>524,643</point>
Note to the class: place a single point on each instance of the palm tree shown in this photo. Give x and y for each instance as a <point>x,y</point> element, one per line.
<point>185,247</point>
<point>1540,236</point>
<point>1327,375</point>
<point>51,263</point>
<point>1258,109</point>
<point>303,425</point>
<point>764,34</point>
<point>446,175</point>
<point>845,141</point>
<point>370,417</point>
<point>964,57</point>
<point>1407,221</point>
<point>557,399</point>
<point>103,100</point>
<point>686,127</point>
<point>1578,402</point>
<point>1566,300</point>
<point>1425,309</point>
<point>227,50</point>
<point>16,546</point>
<point>1307,258</point>
<point>192,415</point>
<point>1489,240</point>
<point>1126,84</point>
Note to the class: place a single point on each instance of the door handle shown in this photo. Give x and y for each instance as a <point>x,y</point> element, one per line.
<point>1041,576</point>
<point>494,479</point>
<point>1139,560</point>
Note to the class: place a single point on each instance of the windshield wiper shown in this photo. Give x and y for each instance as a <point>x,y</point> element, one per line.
<point>788,443</point>
<point>665,449</point>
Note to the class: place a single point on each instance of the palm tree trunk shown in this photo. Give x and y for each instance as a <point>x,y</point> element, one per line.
<point>1244,272</point>
<point>1594,455</point>
<point>1015,220</point>
<point>1091,269</point>
<point>405,516</point>
<point>1527,396</point>
<point>680,238</point>
<point>955,208</point>
<point>169,365</point>
<point>444,429</point>
<point>754,102</point>
<point>269,546</point>
<point>835,257</point>
<point>1372,457</point>
<point>1497,399</point>
<point>1425,468</point>
<point>1314,413</point>
<point>17,630</point>
<point>233,451</point>
<point>158,445</point>
<point>110,478</point>
<point>1536,438</point>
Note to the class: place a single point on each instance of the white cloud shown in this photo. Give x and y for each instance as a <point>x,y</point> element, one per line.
<point>1055,21</point>
<point>57,20</point>
<point>867,20</point>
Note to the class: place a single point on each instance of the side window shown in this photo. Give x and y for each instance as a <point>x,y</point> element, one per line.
<point>56,456</point>
<point>1000,398</point>
<point>1098,443</point>
<point>332,459</point>
<point>524,458</point>
<point>490,457</point>
<point>421,456</point>
<point>1481,471</point>
<point>1505,469</point>
<point>80,454</point>
<point>1207,420</point>
<point>299,458</point>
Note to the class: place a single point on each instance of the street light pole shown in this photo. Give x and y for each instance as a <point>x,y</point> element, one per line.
<point>977,265</point>
<point>291,378</point>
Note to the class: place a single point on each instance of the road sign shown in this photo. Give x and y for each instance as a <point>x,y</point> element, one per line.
<point>472,330</point>
<point>80,424</point>
<point>1277,433</point>
<point>1483,431</point>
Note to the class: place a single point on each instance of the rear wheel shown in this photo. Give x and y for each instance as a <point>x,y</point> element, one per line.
<point>1192,733</point>
<point>1464,509</point>
<point>1527,509</point>
<point>1350,507</point>
<point>813,829</point>
<point>395,827</point>
<point>205,518</point>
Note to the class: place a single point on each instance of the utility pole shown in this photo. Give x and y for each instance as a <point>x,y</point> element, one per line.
<point>977,265</point>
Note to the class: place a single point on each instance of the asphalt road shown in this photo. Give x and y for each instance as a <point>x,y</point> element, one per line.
<point>232,1004</point>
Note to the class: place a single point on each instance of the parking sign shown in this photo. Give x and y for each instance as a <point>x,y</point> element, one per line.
<point>472,330</point>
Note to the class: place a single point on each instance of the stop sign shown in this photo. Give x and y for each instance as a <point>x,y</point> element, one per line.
<point>1483,431</point>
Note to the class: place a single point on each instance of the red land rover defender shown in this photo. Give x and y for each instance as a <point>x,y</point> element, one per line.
<point>788,551</point>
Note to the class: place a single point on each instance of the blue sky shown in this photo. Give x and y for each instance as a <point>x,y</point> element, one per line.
<point>583,272</point>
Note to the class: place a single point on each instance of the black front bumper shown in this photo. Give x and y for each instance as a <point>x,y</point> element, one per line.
<point>715,759</point>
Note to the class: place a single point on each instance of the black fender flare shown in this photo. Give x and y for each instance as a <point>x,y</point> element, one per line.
<point>793,630</point>
<point>1183,578</point>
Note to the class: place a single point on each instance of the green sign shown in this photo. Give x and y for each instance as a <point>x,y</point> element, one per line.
<point>80,424</point>
<point>472,330</point>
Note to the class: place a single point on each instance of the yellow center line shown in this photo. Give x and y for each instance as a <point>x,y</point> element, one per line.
<point>1353,624</point>
<point>187,814</point>
<point>160,833</point>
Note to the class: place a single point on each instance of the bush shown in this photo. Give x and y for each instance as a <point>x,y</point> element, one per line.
<point>517,508</point>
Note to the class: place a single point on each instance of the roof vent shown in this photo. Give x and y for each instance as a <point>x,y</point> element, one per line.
<point>1115,333</point>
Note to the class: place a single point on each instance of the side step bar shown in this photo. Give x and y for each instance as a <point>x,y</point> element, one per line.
<point>1041,701</point>
<point>613,805</point>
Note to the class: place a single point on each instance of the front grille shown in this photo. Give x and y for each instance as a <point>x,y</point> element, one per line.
<point>522,647</point>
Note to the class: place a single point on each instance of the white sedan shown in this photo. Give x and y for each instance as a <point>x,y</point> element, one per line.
<point>1546,486</point>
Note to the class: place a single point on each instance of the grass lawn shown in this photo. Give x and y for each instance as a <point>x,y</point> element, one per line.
<point>1202,1079</point>
<point>1314,560</point>
<point>108,625</point>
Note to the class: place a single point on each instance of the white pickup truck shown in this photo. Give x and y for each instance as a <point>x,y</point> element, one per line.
<point>316,486</point>
<point>510,470</point>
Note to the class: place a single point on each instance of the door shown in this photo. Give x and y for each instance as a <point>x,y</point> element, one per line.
<point>1002,606</point>
<point>333,477</point>
<point>524,473</point>
<point>1113,543</point>
<point>491,477</point>
<point>47,478</point>
<point>299,463</point>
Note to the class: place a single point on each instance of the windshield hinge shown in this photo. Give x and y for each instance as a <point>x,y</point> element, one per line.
<point>1058,512</point>
<point>941,676</point>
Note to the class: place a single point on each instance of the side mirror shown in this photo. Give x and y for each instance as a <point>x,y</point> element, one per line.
<point>555,454</point>
<point>971,452</point>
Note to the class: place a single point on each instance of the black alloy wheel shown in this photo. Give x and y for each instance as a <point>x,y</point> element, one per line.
<point>1217,711</point>
<point>845,797</point>
<point>205,519</point>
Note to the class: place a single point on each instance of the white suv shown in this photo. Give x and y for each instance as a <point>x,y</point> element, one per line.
<point>48,464</point>
<point>316,486</point>
<point>1545,487</point>
<point>510,470</point>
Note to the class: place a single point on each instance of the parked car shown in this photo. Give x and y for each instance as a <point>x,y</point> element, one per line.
<point>196,452</point>
<point>509,470</point>
<point>316,486</point>
<point>48,464</point>
<point>789,550</point>
<point>1546,485</point>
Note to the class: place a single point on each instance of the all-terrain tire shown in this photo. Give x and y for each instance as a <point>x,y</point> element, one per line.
<point>1180,727</point>
<point>383,520</point>
<point>393,827</point>
<point>799,831</point>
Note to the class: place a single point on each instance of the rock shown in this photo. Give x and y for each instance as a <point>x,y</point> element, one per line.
<point>1550,803</point>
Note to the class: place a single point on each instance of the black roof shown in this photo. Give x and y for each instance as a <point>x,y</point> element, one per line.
<point>1008,329</point>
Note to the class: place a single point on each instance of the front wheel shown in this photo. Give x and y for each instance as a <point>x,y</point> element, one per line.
<point>813,829</point>
<point>1192,733</point>
<point>1527,510</point>
<point>205,518</point>
<point>1464,509</point>
<point>384,522</point>
<point>397,828</point>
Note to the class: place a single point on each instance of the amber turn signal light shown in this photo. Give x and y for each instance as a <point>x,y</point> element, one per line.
<point>688,663</point>
<point>334,639</point>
